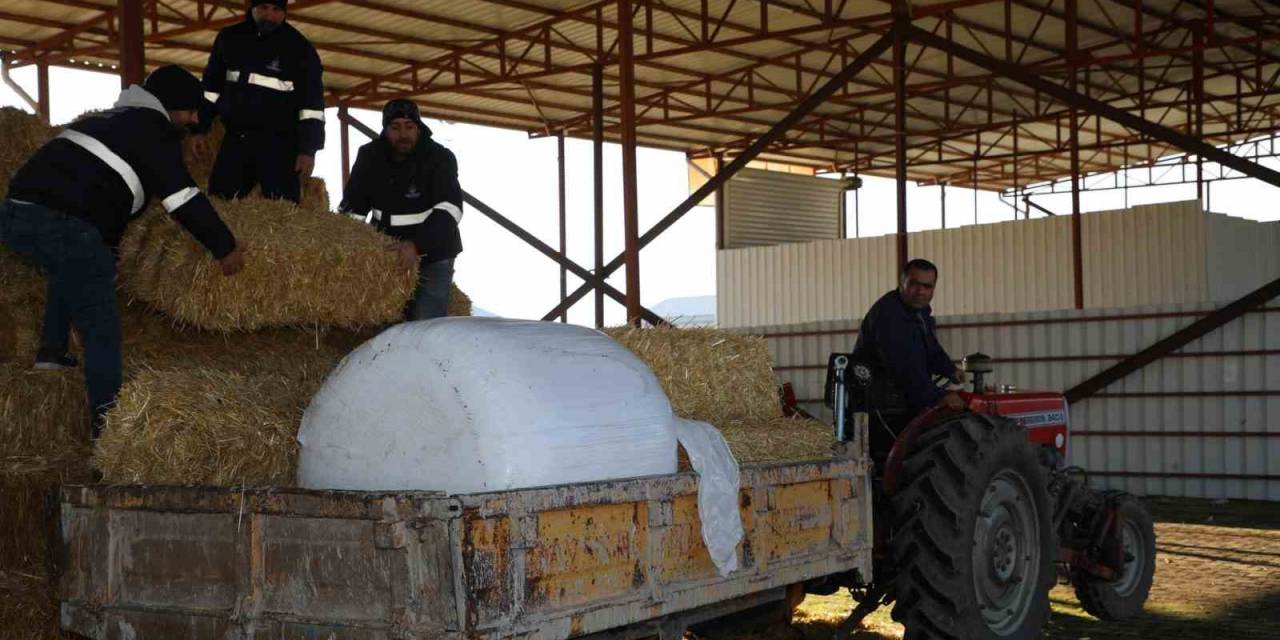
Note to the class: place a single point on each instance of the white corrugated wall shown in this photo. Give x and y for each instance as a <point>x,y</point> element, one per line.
<point>765,208</point>
<point>1225,383</point>
<point>1157,254</point>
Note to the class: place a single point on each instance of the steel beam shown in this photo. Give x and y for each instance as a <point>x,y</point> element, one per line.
<point>42,91</point>
<point>864,59</point>
<point>1158,132</point>
<point>597,153</point>
<point>133,67</point>
<point>564,251</point>
<point>1175,341</point>
<point>343,117</point>
<point>630,197</point>
<point>1077,243</point>
<point>900,137</point>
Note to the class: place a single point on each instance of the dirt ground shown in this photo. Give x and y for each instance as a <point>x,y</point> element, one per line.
<point>1217,578</point>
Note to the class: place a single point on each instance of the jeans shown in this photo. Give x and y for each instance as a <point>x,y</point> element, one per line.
<point>431,296</point>
<point>81,273</point>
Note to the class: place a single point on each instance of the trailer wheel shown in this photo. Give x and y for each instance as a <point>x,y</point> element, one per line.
<point>972,542</point>
<point>1124,597</point>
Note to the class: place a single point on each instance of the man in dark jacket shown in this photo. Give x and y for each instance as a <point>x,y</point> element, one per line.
<point>900,336</point>
<point>265,79</point>
<point>407,185</point>
<point>70,203</point>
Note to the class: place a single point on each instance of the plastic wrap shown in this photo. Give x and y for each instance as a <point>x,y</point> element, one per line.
<point>484,404</point>
<point>717,490</point>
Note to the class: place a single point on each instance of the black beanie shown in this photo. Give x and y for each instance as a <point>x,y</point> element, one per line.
<point>400,108</point>
<point>283,4</point>
<point>175,88</point>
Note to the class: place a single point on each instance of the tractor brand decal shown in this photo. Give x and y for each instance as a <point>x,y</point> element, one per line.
<point>1040,418</point>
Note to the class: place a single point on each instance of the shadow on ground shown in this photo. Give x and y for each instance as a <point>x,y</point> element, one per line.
<point>1217,578</point>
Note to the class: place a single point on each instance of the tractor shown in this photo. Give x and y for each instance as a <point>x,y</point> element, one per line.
<point>977,513</point>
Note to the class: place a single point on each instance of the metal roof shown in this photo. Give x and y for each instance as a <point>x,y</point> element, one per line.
<point>712,75</point>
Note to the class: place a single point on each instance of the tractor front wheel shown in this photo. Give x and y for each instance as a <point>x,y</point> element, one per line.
<point>972,541</point>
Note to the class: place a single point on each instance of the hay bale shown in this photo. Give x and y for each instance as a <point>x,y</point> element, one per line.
<point>202,426</point>
<point>203,407</point>
<point>23,133</point>
<point>315,195</point>
<point>709,375</point>
<point>28,604</point>
<point>200,166</point>
<point>44,418</point>
<point>22,295</point>
<point>459,302</point>
<point>780,439</point>
<point>302,268</point>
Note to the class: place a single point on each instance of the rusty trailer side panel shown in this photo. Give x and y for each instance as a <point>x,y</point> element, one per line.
<point>547,563</point>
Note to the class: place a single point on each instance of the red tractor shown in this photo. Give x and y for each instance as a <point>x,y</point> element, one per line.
<point>977,513</point>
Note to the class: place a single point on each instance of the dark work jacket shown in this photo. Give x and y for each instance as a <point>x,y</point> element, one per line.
<point>267,83</point>
<point>417,199</point>
<point>903,342</point>
<point>105,167</point>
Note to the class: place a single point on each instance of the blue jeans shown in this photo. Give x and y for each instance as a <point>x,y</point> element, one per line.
<point>81,273</point>
<point>431,296</point>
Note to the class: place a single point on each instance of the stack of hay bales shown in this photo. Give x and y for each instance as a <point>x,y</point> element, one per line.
<point>213,405</point>
<point>727,379</point>
<point>44,427</point>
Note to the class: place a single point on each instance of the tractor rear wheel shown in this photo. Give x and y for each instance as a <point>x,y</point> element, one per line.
<point>972,541</point>
<point>1124,597</point>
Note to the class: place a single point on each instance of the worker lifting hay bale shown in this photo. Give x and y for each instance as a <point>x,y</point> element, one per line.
<point>306,268</point>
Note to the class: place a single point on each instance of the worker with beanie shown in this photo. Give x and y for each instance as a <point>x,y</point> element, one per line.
<point>264,79</point>
<point>406,184</point>
<point>68,206</point>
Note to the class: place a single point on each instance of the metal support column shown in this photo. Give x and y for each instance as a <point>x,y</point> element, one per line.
<point>133,68</point>
<point>1077,243</point>
<point>42,91</point>
<point>900,137</point>
<point>630,199</point>
<point>564,271</point>
<point>1197,95</point>
<point>345,134</point>
<point>719,205</point>
<point>597,151</point>
<point>943,189</point>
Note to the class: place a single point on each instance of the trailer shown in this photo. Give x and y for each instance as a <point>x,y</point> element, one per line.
<point>616,559</point>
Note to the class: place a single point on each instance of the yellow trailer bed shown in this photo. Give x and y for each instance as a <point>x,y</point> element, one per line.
<point>620,559</point>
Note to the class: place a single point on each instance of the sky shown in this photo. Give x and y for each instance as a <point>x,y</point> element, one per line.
<point>516,175</point>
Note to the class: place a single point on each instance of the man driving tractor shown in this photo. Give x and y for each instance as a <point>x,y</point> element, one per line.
<point>899,337</point>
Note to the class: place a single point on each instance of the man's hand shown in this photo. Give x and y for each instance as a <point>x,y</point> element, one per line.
<point>960,376</point>
<point>951,402</point>
<point>199,145</point>
<point>407,251</point>
<point>304,165</point>
<point>233,262</point>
